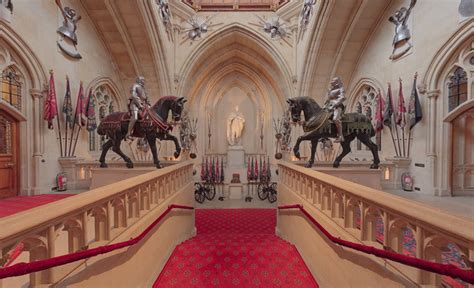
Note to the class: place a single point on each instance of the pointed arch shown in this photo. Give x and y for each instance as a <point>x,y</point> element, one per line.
<point>33,66</point>
<point>235,32</point>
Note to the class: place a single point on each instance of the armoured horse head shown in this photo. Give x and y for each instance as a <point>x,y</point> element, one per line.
<point>177,107</point>
<point>295,107</point>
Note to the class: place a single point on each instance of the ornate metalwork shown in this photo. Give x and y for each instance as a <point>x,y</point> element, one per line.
<point>188,134</point>
<point>401,40</point>
<point>11,88</point>
<point>198,27</point>
<point>282,127</point>
<point>306,12</point>
<point>68,31</point>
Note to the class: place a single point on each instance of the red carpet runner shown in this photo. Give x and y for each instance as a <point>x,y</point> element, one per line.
<point>13,205</point>
<point>235,248</point>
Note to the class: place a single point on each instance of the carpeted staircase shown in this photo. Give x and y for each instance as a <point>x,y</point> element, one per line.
<point>235,248</point>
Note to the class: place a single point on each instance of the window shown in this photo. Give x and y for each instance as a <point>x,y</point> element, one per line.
<point>104,103</point>
<point>10,88</point>
<point>366,104</point>
<point>457,88</point>
<point>5,135</point>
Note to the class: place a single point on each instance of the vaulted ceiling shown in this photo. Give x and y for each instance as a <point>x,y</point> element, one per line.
<point>132,32</point>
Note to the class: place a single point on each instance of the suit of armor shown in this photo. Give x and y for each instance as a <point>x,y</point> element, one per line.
<point>334,103</point>
<point>138,98</point>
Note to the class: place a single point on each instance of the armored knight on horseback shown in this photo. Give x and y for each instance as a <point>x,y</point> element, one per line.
<point>334,104</point>
<point>137,101</point>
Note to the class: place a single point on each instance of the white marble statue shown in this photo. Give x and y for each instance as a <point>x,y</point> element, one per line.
<point>235,127</point>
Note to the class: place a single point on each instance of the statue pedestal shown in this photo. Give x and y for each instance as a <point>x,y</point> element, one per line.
<point>364,176</point>
<point>402,165</point>
<point>236,190</point>
<point>235,157</point>
<point>105,176</point>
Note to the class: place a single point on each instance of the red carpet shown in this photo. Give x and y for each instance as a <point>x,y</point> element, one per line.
<point>235,248</point>
<point>13,205</point>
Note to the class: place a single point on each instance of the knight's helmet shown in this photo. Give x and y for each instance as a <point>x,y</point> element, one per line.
<point>140,80</point>
<point>336,82</point>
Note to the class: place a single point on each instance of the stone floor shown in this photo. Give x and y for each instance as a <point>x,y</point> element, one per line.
<point>462,206</point>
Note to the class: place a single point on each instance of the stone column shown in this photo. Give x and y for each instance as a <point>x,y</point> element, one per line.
<point>419,236</point>
<point>37,134</point>
<point>431,145</point>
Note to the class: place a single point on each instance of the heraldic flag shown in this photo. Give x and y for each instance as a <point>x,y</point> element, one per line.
<point>51,103</point>
<point>67,104</point>
<point>414,108</point>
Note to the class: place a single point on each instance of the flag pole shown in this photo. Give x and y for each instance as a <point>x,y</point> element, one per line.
<point>409,140</point>
<point>393,140</point>
<point>75,142</point>
<point>59,123</point>
<point>65,137</point>
<point>72,151</point>
<point>403,137</point>
<point>398,137</point>
<point>403,118</point>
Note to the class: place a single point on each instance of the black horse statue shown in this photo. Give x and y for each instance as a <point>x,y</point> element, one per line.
<point>152,125</point>
<point>319,126</point>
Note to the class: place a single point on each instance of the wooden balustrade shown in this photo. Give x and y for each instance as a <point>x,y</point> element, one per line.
<point>91,218</point>
<point>358,208</point>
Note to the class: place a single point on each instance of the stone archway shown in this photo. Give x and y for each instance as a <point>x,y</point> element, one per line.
<point>235,61</point>
<point>17,54</point>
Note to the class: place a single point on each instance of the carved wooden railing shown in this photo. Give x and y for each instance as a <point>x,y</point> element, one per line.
<point>90,219</point>
<point>357,209</point>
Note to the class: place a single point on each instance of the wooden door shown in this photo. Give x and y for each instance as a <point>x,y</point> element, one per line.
<point>9,156</point>
<point>463,154</point>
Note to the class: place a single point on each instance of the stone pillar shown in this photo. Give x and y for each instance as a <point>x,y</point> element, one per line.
<point>431,145</point>
<point>85,227</point>
<point>37,134</point>
<point>419,236</point>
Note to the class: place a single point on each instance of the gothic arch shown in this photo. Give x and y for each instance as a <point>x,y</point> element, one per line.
<point>35,79</point>
<point>438,148</point>
<point>99,81</point>
<point>196,56</point>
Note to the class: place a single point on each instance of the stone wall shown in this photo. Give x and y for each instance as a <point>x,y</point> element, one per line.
<point>33,26</point>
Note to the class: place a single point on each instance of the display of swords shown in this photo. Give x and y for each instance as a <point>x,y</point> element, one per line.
<point>282,127</point>
<point>188,135</point>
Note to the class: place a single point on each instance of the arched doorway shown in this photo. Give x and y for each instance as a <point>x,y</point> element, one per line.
<point>463,154</point>
<point>9,155</point>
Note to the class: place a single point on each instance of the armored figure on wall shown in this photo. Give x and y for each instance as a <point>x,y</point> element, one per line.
<point>401,40</point>
<point>137,102</point>
<point>306,12</point>
<point>334,103</point>
<point>164,10</point>
<point>68,29</point>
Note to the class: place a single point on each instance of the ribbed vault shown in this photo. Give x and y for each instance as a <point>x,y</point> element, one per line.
<point>236,58</point>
